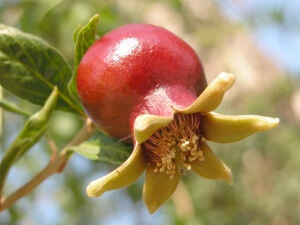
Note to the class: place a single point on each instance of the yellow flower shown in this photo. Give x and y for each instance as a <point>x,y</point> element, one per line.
<point>168,147</point>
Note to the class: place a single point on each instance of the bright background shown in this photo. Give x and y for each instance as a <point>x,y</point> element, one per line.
<point>258,41</point>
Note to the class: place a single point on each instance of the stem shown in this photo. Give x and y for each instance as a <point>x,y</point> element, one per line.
<point>52,145</point>
<point>54,166</point>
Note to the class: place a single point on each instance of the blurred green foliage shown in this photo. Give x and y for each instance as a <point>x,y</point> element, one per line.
<point>265,166</point>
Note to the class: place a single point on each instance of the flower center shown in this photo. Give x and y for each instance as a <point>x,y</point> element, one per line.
<point>173,147</point>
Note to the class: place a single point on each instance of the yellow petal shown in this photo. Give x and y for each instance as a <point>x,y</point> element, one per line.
<point>158,188</point>
<point>211,167</point>
<point>145,125</point>
<point>123,176</point>
<point>212,96</point>
<point>225,129</point>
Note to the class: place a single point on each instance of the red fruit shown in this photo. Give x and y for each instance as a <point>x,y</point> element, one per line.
<point>137,69</point>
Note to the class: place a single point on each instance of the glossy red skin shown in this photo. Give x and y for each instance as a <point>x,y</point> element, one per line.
<point>137,69</point>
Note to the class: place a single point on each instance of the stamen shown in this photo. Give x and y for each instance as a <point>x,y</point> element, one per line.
<point>173,147</point>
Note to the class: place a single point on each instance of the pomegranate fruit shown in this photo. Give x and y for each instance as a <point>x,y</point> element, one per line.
<point>137,69</point>
<point>144,84</point>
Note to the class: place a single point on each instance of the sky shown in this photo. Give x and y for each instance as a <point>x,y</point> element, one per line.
<point>275,26</point>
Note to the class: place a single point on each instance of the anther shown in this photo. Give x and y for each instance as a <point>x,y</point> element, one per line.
<point>188,167</point>
<point>192,158</point>
<point>200,153</point>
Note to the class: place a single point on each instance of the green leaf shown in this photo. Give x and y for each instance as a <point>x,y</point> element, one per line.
<point>84,38</point>
<point>12,108</point>
<point>88,149</point>
<point>30,68</point>
<point>104,148</point>
<point>75,33</point>
<point>32,131</point>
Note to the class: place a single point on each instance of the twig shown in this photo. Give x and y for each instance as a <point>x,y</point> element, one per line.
<point>54,166</point>
<point>52,145</point>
